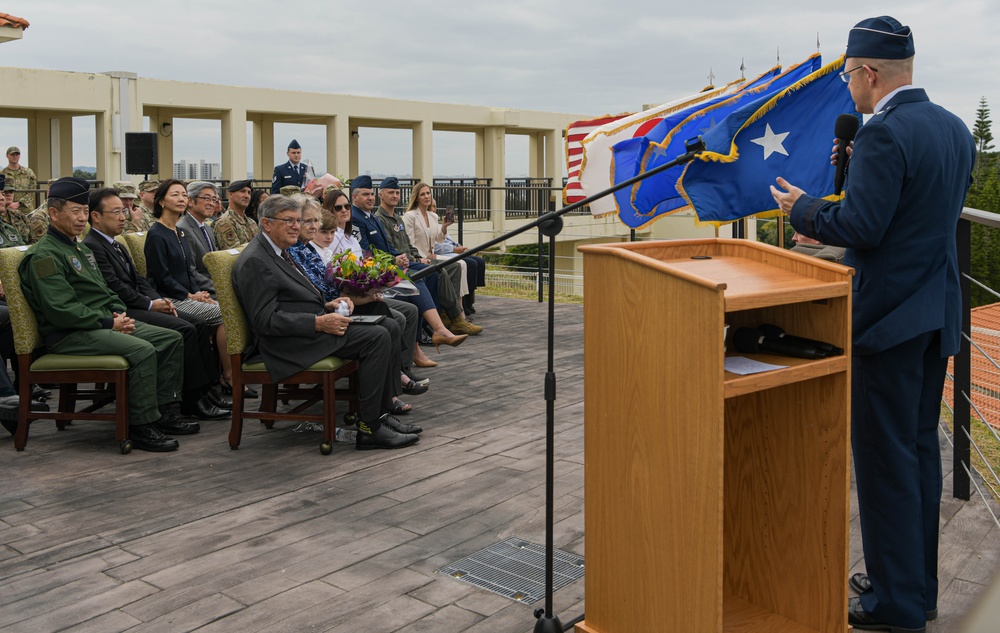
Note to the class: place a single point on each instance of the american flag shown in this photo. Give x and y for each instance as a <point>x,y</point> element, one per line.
<point>575,133</point>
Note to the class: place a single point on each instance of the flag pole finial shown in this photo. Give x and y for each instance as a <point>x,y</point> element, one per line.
<point>817,41</point>
<point>711,77</point>
<point>743,68</point>
<point>777,53</point>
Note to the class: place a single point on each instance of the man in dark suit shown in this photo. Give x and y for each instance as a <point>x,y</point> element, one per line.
<point>202,200</point>
<point>910,170</point>
<point>201,371</point>
<point>293,327</point>
<point>291,173</point>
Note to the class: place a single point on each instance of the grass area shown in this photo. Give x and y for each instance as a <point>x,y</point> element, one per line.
<point>525,293</point>
<point>987,443</point>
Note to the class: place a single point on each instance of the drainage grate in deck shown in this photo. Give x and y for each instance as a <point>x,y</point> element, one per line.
<point>515,569</point>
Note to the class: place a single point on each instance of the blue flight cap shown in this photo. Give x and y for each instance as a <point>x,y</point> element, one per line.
<point>294,145</point>
<point>361,182</point>
<point>880,38</point>
<point>389,182</point>
<point>72,189</point>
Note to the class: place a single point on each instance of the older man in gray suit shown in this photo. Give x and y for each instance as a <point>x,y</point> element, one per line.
<point>293,327</point>
<point>202,198</point>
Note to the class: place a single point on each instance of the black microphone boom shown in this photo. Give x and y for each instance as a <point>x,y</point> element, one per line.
<point>844,129</point>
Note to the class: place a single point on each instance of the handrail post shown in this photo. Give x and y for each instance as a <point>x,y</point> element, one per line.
<point>963,369</point>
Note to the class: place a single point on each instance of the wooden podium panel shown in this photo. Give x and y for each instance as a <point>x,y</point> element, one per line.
<point>714,502</point>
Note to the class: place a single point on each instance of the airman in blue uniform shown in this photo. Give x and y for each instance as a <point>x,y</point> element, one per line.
<point>291,173</point>
<point>908,176</point>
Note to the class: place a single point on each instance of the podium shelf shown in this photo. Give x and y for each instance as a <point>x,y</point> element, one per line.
<point>740,616</point>
<point>797,370</point>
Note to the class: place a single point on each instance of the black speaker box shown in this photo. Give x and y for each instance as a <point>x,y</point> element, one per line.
<point>141,156</point>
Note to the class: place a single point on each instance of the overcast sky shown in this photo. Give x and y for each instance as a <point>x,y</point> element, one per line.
<point>585,56</point>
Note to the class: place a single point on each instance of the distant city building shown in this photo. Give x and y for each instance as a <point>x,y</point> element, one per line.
<point>183,170</point>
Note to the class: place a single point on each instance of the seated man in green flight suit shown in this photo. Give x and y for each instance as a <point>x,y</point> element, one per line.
<point>78,315</point>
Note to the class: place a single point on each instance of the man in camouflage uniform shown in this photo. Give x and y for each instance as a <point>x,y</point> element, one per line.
<point>22,179</point>
<point>140,224</point>
<point>134,216</point>
<point>10,213</point>
<point>234,227</point>
<point>38,220</point>
<point>9,235</point>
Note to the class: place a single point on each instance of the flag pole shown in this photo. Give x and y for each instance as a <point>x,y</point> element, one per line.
<point>551,224</point>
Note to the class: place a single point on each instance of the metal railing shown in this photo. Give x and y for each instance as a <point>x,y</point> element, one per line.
<point>963,396</point>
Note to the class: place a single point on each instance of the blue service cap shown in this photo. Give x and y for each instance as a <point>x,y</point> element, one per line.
<point>880,38</point>
<point>294,145</point>
<point>389,182</point>
<point>72,189</point>
<point>361,182</point>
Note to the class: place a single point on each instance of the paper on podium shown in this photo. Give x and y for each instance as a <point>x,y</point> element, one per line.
<point>743,366</point>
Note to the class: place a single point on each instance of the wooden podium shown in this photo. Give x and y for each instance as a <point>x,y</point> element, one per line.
<point>714,502</point>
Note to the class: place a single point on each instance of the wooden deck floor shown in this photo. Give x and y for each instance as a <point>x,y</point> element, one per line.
<point>276,537</point>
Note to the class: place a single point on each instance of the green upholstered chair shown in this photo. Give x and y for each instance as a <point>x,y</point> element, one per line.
<point>136,243</point>
<point>324,374</point>
<point>68,372</point>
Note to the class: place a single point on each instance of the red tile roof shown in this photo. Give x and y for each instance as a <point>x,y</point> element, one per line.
<point>7,19</point>
<point>985,376</point>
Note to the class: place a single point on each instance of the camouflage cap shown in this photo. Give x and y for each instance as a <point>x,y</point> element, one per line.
<point>125,189</point>
<point>148,186</point>
<point>13,149</point>
<point>290,190</point>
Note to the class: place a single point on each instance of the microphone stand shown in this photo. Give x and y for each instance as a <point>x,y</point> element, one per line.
<point>551,224</point>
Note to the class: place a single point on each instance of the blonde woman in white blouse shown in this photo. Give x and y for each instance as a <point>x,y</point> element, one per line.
<point>424,229</point>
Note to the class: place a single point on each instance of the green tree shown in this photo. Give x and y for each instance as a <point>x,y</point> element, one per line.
<point>982,132</point>
<point>86,175</point>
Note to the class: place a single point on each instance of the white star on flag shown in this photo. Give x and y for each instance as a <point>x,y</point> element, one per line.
<point>771,142</point>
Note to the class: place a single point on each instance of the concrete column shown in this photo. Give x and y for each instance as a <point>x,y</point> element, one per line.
<point>353,168</point>
<point>338,146</point>
<point>536,155</point>
<point>234,144</point>
<point>65,148</point>
<point>164,145</point>
<point>554,163</point>
<point>480,154</point>
<point>263,149</point>
<point>494,167</point>
<point>40,147</point>
<point>423,151</point>
<point>107,161</point>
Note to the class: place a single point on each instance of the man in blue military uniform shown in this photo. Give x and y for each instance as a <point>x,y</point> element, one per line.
<point>910,171</point>
<point>291,173</point>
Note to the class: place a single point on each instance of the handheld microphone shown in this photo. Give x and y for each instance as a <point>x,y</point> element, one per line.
<point>845,130</point>
<point>748,340</point>
<point>775,332</point>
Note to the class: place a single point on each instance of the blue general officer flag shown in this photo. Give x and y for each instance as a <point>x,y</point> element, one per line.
<point>626,155</point>
<point>656,196</point>
<point>788,135</point>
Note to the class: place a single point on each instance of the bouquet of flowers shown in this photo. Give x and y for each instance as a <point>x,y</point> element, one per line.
<point>367,275</point>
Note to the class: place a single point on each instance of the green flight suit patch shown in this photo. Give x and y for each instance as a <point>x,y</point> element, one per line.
<point>44,267</point>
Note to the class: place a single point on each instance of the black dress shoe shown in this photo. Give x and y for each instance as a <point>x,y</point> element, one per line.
<point>862,621</point>
<point>400,427</point>
<point>383,437</point>
<point>250,393</point>
<point>170,424</point>
<point>204,410</point>
<point>149,438</point>
<point>218,399</point>
<point>411,388</point>
<point>859,583</point>
<point>420,381</point>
